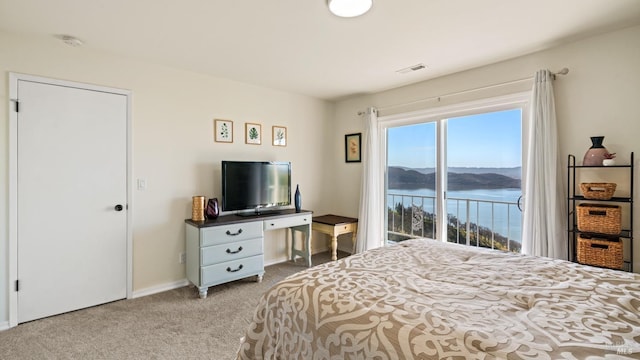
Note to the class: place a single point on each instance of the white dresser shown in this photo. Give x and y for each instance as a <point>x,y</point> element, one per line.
<point>231,247</point>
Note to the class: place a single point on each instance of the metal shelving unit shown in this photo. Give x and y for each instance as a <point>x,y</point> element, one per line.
<point>573,200</point>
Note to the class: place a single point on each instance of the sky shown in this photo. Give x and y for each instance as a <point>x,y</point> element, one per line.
<point>484,140</point>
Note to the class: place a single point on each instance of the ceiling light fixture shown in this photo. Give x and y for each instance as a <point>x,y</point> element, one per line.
<point>349,8</point>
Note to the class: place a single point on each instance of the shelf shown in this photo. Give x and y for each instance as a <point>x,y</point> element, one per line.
<point>573,201</point>
<point>613,199</point>
<point>626,266</point>
<point>627,234</point>
<point>598,166</point>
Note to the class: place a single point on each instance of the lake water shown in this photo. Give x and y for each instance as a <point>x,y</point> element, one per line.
<point>503,218</point>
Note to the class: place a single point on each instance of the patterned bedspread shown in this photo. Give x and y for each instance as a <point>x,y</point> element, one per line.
<point>424,299</point>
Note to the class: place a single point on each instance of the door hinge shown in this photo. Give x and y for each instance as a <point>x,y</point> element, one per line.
<point>17,285</point>
<point>17,104</point>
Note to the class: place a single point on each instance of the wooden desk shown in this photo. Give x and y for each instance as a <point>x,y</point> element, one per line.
<point>231,247</point>
<point>334,226</point>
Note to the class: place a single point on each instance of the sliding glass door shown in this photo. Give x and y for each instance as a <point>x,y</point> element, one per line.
<point>411,181</point>
<point>458,173</point>
<point>484,172</point>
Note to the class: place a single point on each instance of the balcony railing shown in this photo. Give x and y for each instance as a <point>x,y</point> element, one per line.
<point>481,223</point>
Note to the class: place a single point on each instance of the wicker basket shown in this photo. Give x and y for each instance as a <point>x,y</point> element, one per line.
<point>597,218</point>
<point>598,191</point>
<point>605,252</point>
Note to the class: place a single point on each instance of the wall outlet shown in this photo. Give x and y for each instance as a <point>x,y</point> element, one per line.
<point>182,258</point>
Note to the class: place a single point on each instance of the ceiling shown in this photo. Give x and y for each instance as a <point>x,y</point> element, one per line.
<point>298,46</point>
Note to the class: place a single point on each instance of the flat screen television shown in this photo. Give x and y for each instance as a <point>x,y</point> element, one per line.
<point>261,186</point>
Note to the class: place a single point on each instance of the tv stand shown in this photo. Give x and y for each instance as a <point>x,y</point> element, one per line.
<point>231,247</point>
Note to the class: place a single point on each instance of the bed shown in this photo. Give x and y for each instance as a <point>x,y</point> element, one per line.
<point>424,299</point>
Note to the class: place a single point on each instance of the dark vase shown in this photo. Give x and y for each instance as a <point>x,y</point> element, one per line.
<point>297,199</point>
<point>596,153</point>
<point>213,210</point>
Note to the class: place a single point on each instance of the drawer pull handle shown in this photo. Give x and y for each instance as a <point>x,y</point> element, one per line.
<point>234,234</point>
<point>238,269</point>
<point>234,252</point>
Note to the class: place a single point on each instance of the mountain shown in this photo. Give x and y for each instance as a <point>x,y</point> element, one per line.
<point>404,178</point>
<point>512,172</point>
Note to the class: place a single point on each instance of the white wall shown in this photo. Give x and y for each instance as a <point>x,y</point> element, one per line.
<point>600,96</point>
<point>173,147</point>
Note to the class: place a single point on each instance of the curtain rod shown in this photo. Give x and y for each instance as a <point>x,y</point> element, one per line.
<point>563,71</point>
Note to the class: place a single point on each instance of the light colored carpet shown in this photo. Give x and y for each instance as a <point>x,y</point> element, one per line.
<point>175,324</point>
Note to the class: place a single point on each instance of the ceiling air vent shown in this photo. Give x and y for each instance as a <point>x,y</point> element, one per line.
<point>412,68</point>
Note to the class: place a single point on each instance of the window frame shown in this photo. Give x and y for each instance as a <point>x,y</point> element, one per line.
<point>439,115</point>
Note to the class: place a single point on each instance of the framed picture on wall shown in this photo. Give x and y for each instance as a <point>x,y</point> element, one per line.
<point>279,136</point>
<point>223,130</point>
<point>352,145</point>
<point>253,134</point>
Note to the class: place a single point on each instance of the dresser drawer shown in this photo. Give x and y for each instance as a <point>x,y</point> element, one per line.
<point>231,270</point>
<point>279,223</point>
<point>230,251</point>
<point>230,233</point>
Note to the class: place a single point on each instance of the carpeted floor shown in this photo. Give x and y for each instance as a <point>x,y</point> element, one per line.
<point>175,324</point>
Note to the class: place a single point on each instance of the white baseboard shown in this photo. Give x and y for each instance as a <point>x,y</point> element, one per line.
<point>279,260</point>
<point>4,325</point>
<point>159,288</point>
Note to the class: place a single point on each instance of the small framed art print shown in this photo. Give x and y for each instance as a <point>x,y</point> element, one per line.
<point>279,136</point>
<point>223,130</point>
<point>352,145</point>
<point>253,134</point>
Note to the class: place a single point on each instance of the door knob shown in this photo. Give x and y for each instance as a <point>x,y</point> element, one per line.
<point>118,207</point>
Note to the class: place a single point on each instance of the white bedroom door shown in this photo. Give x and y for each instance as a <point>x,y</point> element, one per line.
<point>71,198</point>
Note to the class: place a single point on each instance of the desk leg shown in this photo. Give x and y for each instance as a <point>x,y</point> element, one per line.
<point>334,248</point>
<point>307,234</point>
<point>293,244</point>
<point>306,243</point>
<point>353,243</point>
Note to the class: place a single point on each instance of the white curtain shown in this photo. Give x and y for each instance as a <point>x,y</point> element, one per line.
<point>370,227</point>
<point>544,228</point>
